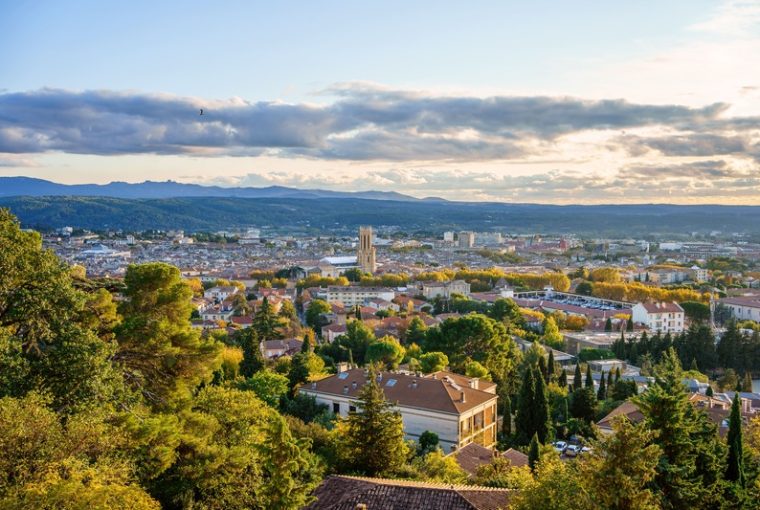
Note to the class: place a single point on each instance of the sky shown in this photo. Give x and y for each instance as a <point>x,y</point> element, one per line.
<point>551,102</point>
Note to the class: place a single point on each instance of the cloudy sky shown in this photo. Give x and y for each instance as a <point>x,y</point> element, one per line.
<point>561,102</point>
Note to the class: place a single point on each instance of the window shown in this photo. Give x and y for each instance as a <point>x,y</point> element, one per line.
<point>351,409</point>
<point>336,407</point>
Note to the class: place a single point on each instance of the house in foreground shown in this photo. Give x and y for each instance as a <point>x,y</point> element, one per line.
<point>354,493</point>
<point>461,410</point>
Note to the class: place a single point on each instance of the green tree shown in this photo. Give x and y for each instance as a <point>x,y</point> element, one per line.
<point>162,355</point>
<point>269,386</point>
<point>607,485</point>
<point>551,335</point>
<point>602,393</point>
<point>608,325</point>
<point>583,404</point>
<point>476,337</point>
<point>534,452</point>
<point>506,423</point>
<point>577,378</point>
<point>253,359</point>
<point>427,443</point>
<point>386,350</point>
<point>475,369</point>
<point>505,310</point>
<point>585,288</point>
<point>533,409</point>
<point>303,366</point>
<point>589,377</point>
<point>436,467</point>
<point>315,312</point>
<point>373,439</point>
<point>735,462</point>
<point>416,331</point>
<point>688,470</point>
<point>433,362</point>
<point>551,366</point>
<point>266,322</point>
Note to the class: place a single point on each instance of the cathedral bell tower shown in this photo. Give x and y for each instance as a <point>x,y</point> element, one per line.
<point>365,255</point>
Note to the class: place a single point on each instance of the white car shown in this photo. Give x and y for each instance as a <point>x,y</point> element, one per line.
<point>585,449</point>
<point>573,450</point>
<point>559,446</point>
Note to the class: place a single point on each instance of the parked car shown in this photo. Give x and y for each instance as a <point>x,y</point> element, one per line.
<point>573,450</point>
<point>586,449</point>
<point>559,446</point>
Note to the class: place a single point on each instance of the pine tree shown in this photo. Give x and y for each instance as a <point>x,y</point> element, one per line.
<point>534,453</point>
<point>577,378</point>
<point>602,393</point>
<point>374,437</point>
<point>709,391</point>
<point>266,322</point>
<point>589,378</point>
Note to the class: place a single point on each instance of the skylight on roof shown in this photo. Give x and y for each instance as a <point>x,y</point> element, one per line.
<point>391,382</point>
<point>343,375</point>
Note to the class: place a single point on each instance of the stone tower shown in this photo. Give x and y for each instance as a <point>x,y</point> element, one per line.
<point>365,255</point>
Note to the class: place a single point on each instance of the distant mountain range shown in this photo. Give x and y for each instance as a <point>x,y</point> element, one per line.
<point>331,216</point>
<point>31,187</point>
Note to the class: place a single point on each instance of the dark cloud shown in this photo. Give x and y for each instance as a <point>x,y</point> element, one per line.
<point>691,145</point>
<point>362,123</point>
<point>712,169</point>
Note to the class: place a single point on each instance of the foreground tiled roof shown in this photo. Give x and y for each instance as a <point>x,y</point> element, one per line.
<point>346,492</point>
<point>473,455</point>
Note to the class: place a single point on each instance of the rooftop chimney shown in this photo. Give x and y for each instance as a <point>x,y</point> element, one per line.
<point>353,384</point>
<point>463,397</point>
<point>474,382</point>
<point>414,383</point>
<point>313,386</point>
<point>345,390</point>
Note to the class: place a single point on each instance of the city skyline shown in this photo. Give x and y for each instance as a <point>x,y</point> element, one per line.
<point>545,103</point>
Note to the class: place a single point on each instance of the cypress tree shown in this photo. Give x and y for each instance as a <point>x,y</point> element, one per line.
<point>253,360</point>
<point>541,410</point>
<point>747,382</point>
<point>608,325</point>
<point>589,378</point>
<point>534,453</point>
<point>550,365</point>
<point>735,462</point>
<point>542,368</point>
<point>629,324</point>
<point>609,379</point>
<point>602,393</point>
<point>617,374</point>
<point>524,419</point>
<point>577,378</point>
<point>506,425</point>
<point>565,410</point>
<point>562,380</point>
<point>709,391</point>
<point>694,365</point>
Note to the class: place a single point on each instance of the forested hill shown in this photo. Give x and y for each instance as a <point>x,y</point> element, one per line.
<point>330,214</point>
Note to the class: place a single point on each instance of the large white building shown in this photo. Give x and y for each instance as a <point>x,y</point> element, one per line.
<point>444,289</point>
<point>744,307</point>
<point>461,410</point>
<point>357,295</point>
<point>658,316</point>
<point>332,267</point>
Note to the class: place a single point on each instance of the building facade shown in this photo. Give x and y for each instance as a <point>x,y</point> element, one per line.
<point>355,295</point>
<point>664,317</point>
<point>461,410</point>
<point>365,254</point>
